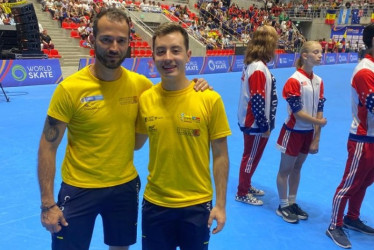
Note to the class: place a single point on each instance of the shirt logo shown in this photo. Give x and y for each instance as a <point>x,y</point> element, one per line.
<point>188,132</point>
<point>189,118</point>
<point>92,98</point>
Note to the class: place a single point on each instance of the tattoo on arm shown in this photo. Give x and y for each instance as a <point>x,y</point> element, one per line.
<point>51,131</point>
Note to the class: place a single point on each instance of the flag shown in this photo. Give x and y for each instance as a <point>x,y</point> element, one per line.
<point>355,17</point>
<point>344,16</point>
<point>343,40</point>
<point>330,17</point>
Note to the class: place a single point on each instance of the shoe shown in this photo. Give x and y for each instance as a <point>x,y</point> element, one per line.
<point>256,192</point>
<point>358,225</point>
<point>301,214</point>
<point>249,199</point>
<point>339,237</point>
<point>287,214</point>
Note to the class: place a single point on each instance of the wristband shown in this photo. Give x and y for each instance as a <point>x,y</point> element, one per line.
<point>45,208</point>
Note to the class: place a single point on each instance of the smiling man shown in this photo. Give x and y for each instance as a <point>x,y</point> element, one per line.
<point>98,105</point>
<point>181,124</point>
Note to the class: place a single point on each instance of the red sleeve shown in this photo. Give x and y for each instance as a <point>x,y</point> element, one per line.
<point>291,88</point>
<point>321,90</point>
<point>363,82</point>
<point>257,83</point>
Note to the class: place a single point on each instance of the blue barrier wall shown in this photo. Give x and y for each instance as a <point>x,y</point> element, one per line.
<point>15,73</point>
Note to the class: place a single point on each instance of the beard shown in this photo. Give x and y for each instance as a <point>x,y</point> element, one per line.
<point>109,63</point>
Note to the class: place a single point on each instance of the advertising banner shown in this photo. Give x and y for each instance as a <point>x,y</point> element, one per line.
<point>353,57</point>
<point>285,60</point>
<point>330,58</point>
<point>217,64</point>
<point>194,66</point>
<point>15,73</point>
<point>342,58</point>
<point>237,64</point>
<point>146,66</point>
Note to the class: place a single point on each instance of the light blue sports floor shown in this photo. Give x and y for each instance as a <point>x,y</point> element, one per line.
<point>247,227</point>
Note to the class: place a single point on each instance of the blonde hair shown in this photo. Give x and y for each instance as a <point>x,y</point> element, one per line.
<point>262,46</point>
<point>307,47</point>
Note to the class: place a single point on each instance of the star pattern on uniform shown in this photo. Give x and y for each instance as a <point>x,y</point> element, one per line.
<point>370,102</point>
<point>258,109</point>
<point>321,104</point>
<point>295,103</point>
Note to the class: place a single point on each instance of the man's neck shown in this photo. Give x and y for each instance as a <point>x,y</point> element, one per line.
<point>174,84</point>
<point>105,74</point>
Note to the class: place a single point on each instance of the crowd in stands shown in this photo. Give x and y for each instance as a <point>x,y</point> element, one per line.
<point>6,19</point>
<point>219,24</point>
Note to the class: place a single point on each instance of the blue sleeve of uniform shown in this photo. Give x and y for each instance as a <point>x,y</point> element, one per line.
<point>258,110</point>
<point>321,104</point>
<point>370,103</point>
<point>295,103</point>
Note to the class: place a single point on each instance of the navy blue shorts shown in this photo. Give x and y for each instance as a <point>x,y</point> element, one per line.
<point>166,228</point>
<point>118,207</point>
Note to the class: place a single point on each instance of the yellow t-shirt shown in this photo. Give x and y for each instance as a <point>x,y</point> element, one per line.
<point>180,126</point>
<point>101,118</point>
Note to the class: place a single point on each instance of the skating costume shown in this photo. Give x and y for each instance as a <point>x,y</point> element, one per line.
<point>256,115</point>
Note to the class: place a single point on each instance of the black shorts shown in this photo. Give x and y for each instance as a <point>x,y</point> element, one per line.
<point>166,228</point>
<point>118,207</point>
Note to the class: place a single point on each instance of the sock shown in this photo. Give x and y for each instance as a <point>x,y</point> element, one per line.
<point>284,203</point>
<point>291,199</point>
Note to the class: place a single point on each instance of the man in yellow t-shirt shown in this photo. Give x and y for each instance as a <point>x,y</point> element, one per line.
<point>181,125</point>
<point>98,105</point>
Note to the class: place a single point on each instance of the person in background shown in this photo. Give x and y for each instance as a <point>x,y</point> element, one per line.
<point>257,108</point>
<point>359,169</point>
<point>46,40</point>
<point>301,131</point>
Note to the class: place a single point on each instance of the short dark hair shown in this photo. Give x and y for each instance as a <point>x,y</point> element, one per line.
<point>113,14</point>
<point>367,35</point>
<point>167,28</point>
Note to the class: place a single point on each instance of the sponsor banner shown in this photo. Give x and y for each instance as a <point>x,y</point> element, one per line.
<point>353,57</point>
<point>194,66</point>
<point>15,73</point>
<point>237,63</point>
<point>129,63</point>
<point>217,64</point>
<point>147,67</point>
<point>271,64</point>
<point>330,58</point>
<point>285,60</point>
<point>342,58</point>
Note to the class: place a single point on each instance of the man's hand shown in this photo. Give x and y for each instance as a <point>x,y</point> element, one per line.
<point>219,215</point>
<point>201,84</point>
<point>53,219</point>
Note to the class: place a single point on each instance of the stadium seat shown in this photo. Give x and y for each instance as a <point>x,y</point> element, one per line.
<point>54,54</point>
<point>136,53</point>
<point>74,34</point>
<point>142,53</point>
<point>144,44</point>
<point>45,51</point>
<point>92,52</point>
<point>148,53</point>
<point>65,25</point>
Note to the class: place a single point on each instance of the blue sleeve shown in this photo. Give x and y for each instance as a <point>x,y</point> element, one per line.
<point>370,103</point>
<point>295,103</point>
<point>321,104</point>
<point>258,110</point>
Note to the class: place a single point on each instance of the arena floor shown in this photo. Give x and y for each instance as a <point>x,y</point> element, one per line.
<point>247,227</point>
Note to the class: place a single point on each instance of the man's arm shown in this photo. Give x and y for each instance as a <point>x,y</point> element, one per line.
<point>52,135</point>
<point>220,173</point>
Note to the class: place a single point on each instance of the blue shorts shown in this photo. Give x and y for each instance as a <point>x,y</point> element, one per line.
<point>118,207</point>
<point>166,228</point>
